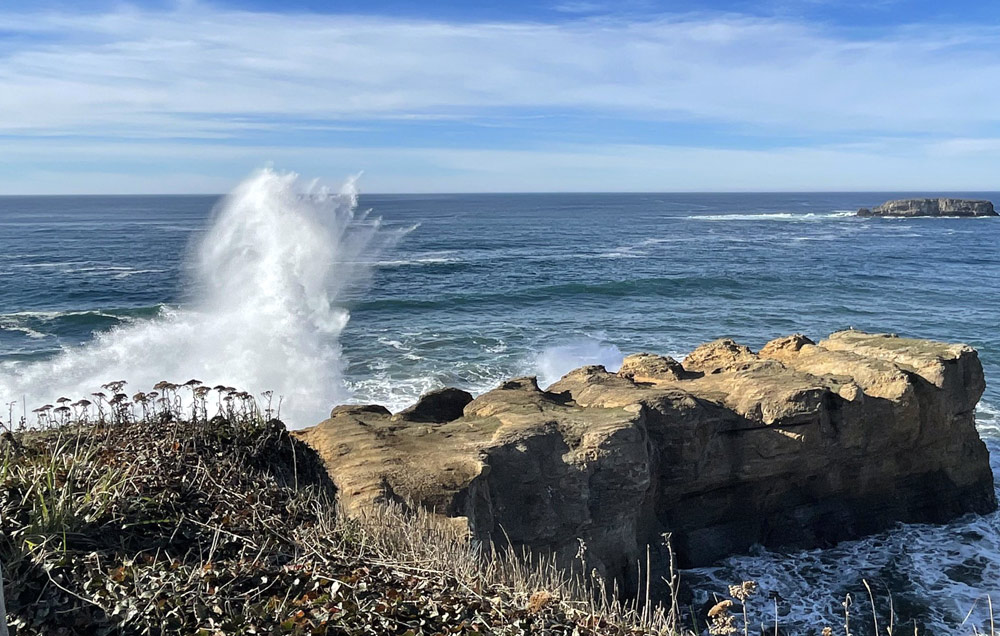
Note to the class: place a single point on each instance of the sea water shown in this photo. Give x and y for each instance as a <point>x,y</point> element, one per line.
<point>326,296</point>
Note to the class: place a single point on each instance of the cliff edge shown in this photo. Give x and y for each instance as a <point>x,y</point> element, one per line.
<point>800,444</point>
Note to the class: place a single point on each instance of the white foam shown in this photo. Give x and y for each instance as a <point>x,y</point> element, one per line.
<point>638,250</point>
<point>988,421</point>
<point>28,331</point>
<point>44,315</point>
<point>620,254</point>
<point>396,386</point>
<point>47,316</point>
<point>556,361</point>
<point>499,347</point>
<point>117,271</point>
<point>772,216</point>
<point>47,265</point>
<point>137,272</point>
<point>924,564</point>
<point>394,393</point>
<point>948,569</point>
<point>431,258</point>
<point>268,272</point>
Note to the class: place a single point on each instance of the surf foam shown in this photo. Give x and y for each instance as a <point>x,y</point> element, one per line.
<point>264,313</point>
<point>554,362</point>
<point>772,216</point>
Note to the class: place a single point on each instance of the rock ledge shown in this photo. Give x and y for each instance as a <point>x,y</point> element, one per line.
<point>802,444</point>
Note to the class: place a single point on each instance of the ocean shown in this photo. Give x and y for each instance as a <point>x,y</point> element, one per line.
<point>326,296</point>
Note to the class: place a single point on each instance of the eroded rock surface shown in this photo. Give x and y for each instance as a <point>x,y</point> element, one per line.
<point>931,207</point>
<point>801,444</point>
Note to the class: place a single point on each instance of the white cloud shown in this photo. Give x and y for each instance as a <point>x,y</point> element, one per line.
<point>184,72</point>
<point>918,103</point>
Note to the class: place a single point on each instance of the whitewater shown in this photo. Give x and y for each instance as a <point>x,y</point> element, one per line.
<point>324,295</point>
<point>260,313</point>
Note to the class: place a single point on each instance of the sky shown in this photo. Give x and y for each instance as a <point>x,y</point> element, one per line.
<point>571,95</point>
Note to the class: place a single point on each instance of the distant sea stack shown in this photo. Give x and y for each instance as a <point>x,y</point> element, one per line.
<point>800,444</point>
<point>931,207</point>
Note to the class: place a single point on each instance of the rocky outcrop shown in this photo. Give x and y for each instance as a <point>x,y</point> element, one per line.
<point>931,207</point>
<point>800,444</point>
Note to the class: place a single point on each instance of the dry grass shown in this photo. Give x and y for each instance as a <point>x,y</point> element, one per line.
<point>163,521</point>
<point>426,543</point>
<point>149,517</point>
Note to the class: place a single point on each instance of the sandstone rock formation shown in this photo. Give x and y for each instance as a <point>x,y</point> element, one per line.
<point>801,444</point>
<point>931,207</point>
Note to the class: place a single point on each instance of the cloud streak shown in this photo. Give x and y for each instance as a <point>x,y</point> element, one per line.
<point>213,81</point>
<point>191,71</point>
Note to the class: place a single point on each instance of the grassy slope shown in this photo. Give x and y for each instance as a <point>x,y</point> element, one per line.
<point>229,527</point>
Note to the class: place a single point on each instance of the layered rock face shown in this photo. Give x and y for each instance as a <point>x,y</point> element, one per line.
<point>931,207</point>
<point>800,444</point>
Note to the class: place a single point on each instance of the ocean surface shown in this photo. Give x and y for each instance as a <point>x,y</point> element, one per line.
<point>328,297</point>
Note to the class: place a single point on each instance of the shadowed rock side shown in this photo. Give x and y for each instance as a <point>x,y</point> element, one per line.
<point>797,445</point>
<point>931,207</point>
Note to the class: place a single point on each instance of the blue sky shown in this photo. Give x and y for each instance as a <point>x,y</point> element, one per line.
<point>572,95</point>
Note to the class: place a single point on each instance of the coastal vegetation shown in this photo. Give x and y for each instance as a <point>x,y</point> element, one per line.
<point>147,515</point>
<point>144,515</point>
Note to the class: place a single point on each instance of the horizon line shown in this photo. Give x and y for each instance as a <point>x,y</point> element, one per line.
<point>518,192</point>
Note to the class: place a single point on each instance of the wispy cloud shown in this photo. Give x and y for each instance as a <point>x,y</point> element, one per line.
<point>217,75</point>
<point>135,71</point>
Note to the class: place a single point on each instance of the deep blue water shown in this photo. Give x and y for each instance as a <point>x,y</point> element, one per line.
<point>482,287</point>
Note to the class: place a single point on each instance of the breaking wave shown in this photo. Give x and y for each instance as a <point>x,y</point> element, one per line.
<point>264,311</point>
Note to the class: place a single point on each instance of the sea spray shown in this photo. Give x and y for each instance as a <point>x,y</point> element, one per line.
<point>264,312</point>
<point>556,361</point>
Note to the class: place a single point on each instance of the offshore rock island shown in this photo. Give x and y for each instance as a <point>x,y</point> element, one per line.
<point>931,207</point>
<point>800,444</point>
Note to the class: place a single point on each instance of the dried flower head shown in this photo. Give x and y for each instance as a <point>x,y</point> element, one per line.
<point>721,621</point>
<point>721,607</point>
<point>744,590</point>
